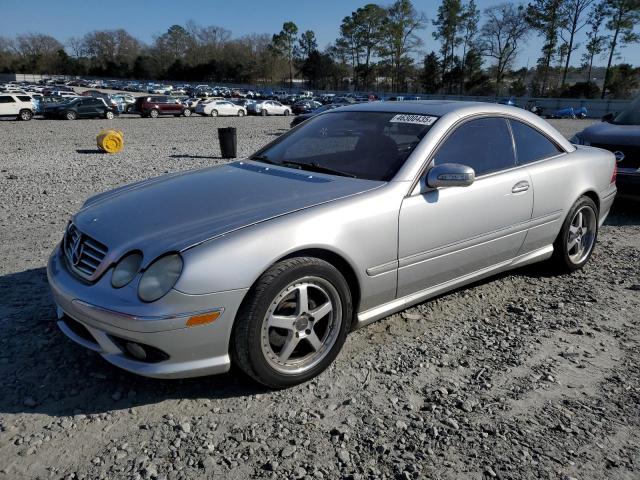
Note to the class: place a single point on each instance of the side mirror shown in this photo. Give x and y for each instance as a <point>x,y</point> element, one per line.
<point>450,175</point>
<point>608,117</point>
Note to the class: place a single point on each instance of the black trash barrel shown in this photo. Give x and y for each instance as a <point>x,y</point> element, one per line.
<point>228,142</point>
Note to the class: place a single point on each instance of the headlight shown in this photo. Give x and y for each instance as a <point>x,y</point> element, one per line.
<point>160,277</point>
<point>126,270</point>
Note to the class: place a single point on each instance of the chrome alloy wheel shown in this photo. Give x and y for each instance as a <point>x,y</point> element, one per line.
<point>582,235</point>
<point>301,325</point>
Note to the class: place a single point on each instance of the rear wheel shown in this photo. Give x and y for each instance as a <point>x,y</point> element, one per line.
<point>263,112</point>
<point>241,113</point>
<point>154,113</point>
<point>186,112</point>
<point>214,113</point>
<point>25,115</point>
<point>109,115</point>
<point>70,115</point>
<point>287,113</point>
<point>293,322</point>
<point>577,238</point>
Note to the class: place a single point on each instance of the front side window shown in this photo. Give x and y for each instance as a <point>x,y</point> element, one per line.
<point>483,144</point>
<point>368,145</point>
<point>531,145</point>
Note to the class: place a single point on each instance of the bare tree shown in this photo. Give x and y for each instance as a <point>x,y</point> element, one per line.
<point>623,17</point>
<point>399,37</point>
<point>596,38</point>
<point>573,21</point>
<point>501,35</point>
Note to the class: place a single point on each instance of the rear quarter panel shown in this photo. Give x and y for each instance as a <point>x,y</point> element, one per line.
<point>558,182</point>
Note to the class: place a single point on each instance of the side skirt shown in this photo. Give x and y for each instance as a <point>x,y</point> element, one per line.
<point>376,313</point>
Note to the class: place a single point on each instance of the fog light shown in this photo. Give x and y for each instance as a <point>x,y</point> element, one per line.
<point>136,350</point>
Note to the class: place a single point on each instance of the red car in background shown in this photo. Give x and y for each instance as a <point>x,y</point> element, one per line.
<point>153,107</point>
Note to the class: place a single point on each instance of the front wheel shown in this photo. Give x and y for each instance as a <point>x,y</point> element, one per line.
<point>214,113</point>
<point>154,113</point>
<point>241,113</point>
<point>70,115</point>
<point>186,112</point>
<point>577,238</point>
<point>263,112</point>
<point>293,322</point>
<point>287,113</point>
<point>109,115</point>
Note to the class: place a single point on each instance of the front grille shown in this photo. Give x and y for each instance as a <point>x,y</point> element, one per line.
<point>631,154</point>
<point>83,253</point>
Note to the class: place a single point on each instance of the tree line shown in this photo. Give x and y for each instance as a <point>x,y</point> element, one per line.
<point>378,48</point>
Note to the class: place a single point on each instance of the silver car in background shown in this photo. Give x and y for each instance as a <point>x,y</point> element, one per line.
<point>355,214</point>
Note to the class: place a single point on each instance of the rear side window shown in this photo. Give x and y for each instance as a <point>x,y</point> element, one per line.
<point>6,99</point>
<point>24,98</point>
<point>531,145</point>
<point>484,145</point>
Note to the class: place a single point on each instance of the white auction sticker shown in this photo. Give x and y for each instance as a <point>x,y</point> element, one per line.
<point>408,118</point>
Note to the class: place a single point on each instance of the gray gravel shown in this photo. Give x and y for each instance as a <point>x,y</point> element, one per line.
<point>524,376</point>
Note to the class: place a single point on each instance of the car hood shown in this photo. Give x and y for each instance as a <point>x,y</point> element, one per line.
<point>609,133</point>
<point>177,211</point>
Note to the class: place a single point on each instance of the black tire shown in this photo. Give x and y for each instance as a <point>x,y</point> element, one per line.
<point>25,115</point>
<point>153,113</point>
<point>70,115</point>
<point>246,347</point>
<point>214,113</point>
<point>186,112</point>
<point>241,113</point>
<point>109,115</point>
<point>561,258</point>
<point>263,112</point>
<point>287,113</point>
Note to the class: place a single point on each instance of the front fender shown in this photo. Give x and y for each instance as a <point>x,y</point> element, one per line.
<point>362,229</point>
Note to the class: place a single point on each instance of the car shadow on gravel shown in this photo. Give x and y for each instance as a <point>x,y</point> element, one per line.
<point>44,372</point>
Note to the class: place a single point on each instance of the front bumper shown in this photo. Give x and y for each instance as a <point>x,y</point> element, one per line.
<point>107,324</point>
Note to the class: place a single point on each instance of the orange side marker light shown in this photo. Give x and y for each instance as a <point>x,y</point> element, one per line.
<point>203,319</point>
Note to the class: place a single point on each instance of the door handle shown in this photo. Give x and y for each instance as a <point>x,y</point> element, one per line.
<point>520,187</point>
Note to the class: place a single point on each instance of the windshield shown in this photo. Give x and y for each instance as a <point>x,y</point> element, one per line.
<point>629,116</point>
<point>368,145</point>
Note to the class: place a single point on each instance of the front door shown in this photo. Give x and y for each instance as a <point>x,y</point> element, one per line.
<point>448,233</point>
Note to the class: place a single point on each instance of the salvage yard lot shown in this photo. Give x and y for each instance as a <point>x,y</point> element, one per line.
<point>528,375</point>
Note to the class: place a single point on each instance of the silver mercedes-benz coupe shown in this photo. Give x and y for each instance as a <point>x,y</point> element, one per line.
<point>357,213</point>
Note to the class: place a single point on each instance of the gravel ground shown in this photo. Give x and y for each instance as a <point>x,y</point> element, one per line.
<point>524,376</point>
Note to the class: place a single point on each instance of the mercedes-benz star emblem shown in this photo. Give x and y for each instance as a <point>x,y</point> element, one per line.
<point>76,250</point>
<point>619,156</point>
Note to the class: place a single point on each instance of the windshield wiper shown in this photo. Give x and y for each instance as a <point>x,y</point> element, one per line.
<point>315,167</point>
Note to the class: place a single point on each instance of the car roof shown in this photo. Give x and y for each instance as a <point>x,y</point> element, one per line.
<point>461,109</point>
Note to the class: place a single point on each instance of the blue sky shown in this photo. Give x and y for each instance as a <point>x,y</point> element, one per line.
<point>144,19</point>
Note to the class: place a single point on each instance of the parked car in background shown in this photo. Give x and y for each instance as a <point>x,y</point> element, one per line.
<point>82,107</point>
<point>124,101</point>
<point>268,107</point>
<point>154,107</point>
<point>216,108</point>
<point>619,133</point>
<point>304,106</point>
<point>17,106</point>
<point>304,116</point>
